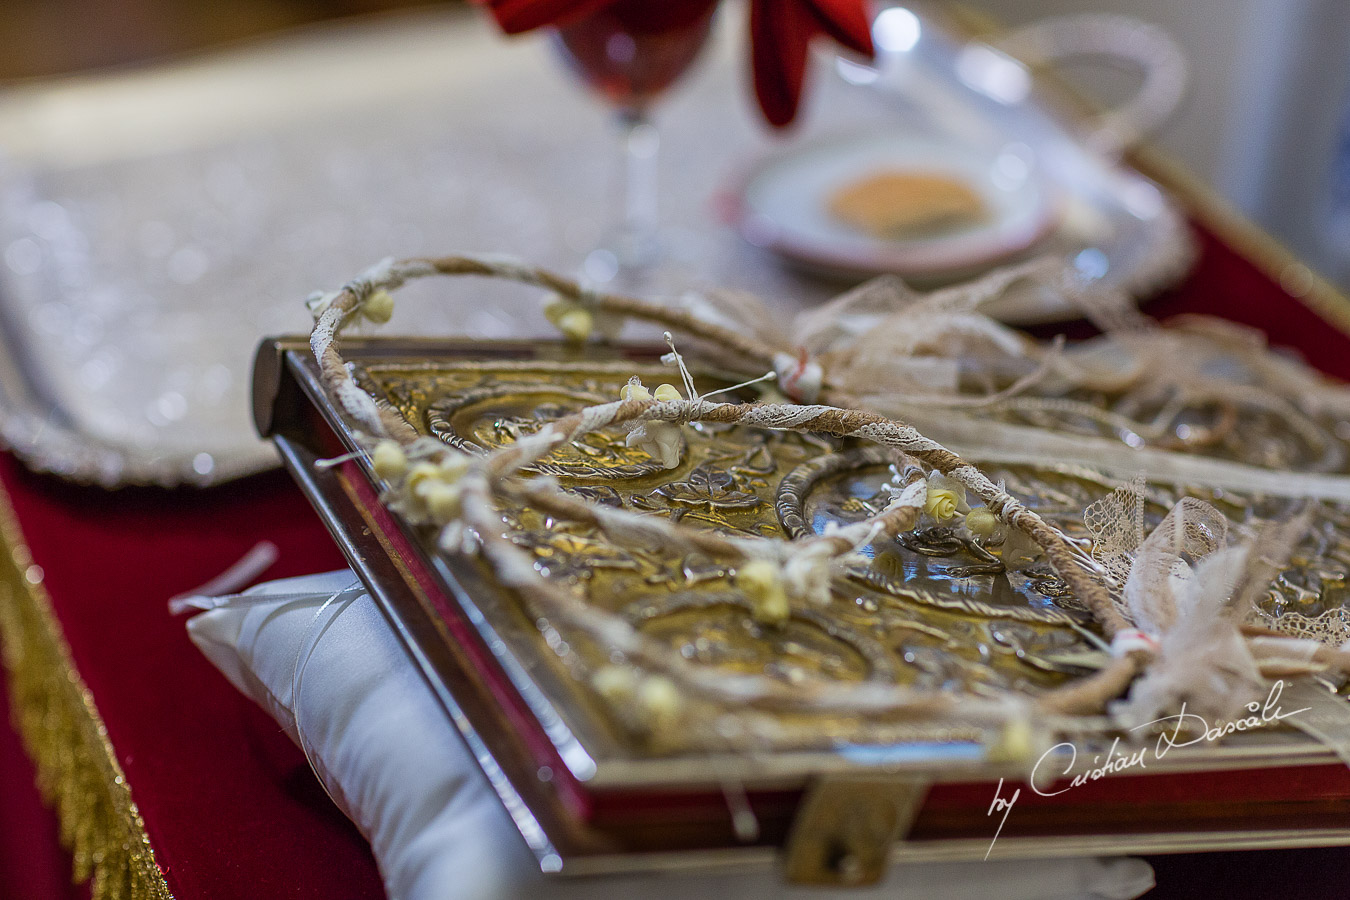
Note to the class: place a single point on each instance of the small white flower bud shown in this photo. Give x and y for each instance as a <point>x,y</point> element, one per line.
<point>614,683</point>
<point>421,473</point>
<point>634,390</point>
<point>762,584</point>
<point>576,325</point>
<point>442,501</point>
<point>379,306</point>
<point>453,466</point>
<point>389,461</point>
<point>659,700</point>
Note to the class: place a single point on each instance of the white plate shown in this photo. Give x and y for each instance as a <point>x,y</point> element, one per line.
<point>785,206</point>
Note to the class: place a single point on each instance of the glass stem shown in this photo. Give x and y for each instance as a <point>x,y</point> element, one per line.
<point>641,147</point>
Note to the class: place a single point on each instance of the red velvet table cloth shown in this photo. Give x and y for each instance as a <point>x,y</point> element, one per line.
<point>229,803</point>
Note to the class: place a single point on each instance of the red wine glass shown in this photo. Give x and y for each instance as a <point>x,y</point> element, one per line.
<point>629,53</point>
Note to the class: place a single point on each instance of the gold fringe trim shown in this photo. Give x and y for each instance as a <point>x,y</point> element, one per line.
<point>54,712</point>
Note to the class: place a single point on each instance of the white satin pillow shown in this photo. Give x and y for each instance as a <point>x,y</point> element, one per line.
<point>326,665</point>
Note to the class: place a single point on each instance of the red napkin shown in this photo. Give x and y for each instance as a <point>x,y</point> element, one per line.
<point>516,16</point>
<point>780,34</point>
<point>780,38</point>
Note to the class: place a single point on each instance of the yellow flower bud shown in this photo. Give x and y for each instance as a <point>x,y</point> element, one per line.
<point>981,522</point>
<point>453,466</point>
<point>634,390</point>
<point>667,392</point>
<point>379,306</point>
<point>763,586</point>
<point>557,307</point>
<point>1015,743</point>
<point>659,700</point>
<point>576,325</point>
<point>389,461</point>
<point>421,473</point>
<point>614,683</point>
<point>442,501</point>
<point>941,503</point>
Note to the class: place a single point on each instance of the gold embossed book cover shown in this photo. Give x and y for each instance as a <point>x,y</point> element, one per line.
<point>601,769</point>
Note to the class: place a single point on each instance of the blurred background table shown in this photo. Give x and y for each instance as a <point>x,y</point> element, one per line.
<point>1265,122</point>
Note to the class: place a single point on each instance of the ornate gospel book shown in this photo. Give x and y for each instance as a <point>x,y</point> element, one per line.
<point>604,768</point>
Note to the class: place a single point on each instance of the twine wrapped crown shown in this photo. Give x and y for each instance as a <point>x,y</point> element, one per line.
<point>458,494</point>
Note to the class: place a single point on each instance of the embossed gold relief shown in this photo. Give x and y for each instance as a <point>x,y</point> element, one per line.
<point>490,415</point>
<point>935,607</point>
